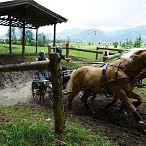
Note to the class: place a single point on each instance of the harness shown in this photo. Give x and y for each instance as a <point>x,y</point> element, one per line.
<point>128,73</point>
<point>105,81</point>
<point>106,90</point>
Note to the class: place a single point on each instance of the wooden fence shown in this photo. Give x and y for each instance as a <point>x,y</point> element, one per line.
<point>108,53</point>
<point>54,67</point>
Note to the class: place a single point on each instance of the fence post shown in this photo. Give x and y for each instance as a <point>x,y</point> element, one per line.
<point>58,107</point>
<point>97,53</point>
<point>105,54</point>
<point>49,50</point>
<point>67,52</point>
<point>120,51</point>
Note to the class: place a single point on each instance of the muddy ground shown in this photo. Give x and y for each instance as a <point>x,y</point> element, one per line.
<point>15,87</point>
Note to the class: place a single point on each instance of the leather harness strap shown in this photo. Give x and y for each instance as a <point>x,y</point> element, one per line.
<point>105,81</point>
<point>106,91</point>
<point>127,72</point>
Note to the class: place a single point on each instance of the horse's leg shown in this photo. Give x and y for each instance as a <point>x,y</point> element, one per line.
<point>126,102</point>
<point>71,97</point>
<point>124,98</point>
<point>111,103</point>
<point>138,98</point>
<point>135,103</point>
<point>84,98</point>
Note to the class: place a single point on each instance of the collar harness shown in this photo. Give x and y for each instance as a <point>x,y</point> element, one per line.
<point>105,81</point>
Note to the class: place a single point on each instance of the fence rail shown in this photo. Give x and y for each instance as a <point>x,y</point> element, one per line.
<point>108,53</point>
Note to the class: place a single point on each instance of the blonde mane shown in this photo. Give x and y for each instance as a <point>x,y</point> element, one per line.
<point>132,51</point>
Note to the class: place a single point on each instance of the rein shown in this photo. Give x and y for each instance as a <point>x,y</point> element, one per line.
<point>128,73</point>
<point>105,82</point>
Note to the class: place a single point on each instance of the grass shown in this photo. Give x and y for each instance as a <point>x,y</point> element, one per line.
<point>17,49</point>
<point>27,126</point>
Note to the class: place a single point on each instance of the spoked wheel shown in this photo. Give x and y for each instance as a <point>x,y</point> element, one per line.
<point>49,96</point>
<point>37,91</point>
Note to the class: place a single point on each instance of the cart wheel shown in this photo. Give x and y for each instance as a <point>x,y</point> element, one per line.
<point>35,91</point>
<point>49,96</point>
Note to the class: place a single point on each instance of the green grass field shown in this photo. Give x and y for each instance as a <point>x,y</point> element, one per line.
<point>17,49</point>
<point>29,126</point>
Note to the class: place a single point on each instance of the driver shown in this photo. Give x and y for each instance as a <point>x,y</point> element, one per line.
<point>59,50</point>
<point>42,74</point>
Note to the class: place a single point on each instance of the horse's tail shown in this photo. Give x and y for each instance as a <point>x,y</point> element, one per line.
<point>70,82</point>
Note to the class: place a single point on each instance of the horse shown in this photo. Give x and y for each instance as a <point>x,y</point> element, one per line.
<point>89,93</point>
<point>118,78</point>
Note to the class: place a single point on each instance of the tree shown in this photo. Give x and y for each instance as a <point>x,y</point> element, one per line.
<point>42,39</point>
<point>123,45</point>
<point>138,42</point>
<point>115,44</point>
<point>127,44</point>
<point>13,35</point>
<point>29,36</point>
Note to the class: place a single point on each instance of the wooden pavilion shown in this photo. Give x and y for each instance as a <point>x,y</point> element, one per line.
<point>27,14</point>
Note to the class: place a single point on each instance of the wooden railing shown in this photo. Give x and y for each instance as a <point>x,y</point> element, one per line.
<point>108,53</point>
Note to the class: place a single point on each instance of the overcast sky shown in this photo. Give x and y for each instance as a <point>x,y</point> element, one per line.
<point>101,14</point>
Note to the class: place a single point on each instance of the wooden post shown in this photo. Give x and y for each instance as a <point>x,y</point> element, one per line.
<point>49,50</point>
<point>67,50</point>
<point>10,36</point>
<point>54,37</point>
<point>54,49</point>
<point>120,52</point>
<point>97,53</point>
<point>23,40</point>
<point>105,54</point>
<point>58,107</point>
<point>36,50</point>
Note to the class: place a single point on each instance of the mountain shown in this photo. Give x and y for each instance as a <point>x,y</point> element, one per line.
<point>95,35</point>
<point>69,32</point>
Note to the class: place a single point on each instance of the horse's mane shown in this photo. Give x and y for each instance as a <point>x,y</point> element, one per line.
<point>132,52</point>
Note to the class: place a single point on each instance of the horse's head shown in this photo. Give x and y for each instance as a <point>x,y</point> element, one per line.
<point>136,58</point>
<point>139,57</point>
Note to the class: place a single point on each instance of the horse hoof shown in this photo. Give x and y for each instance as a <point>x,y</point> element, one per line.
<point>143,127</point>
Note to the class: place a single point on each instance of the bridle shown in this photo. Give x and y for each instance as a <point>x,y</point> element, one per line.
<point>128,79</point>
<point>128,73</point>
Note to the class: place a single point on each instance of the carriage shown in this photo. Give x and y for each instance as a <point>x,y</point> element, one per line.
<point>42,89</point>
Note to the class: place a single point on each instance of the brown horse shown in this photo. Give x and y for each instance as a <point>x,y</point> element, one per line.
<point>120,78</point>
<point>89,93</point>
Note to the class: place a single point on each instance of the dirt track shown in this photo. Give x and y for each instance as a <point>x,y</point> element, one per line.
<point>15,88</point>
<point>116,126</point>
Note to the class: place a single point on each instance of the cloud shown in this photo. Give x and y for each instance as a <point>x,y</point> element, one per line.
<point>102,14</point>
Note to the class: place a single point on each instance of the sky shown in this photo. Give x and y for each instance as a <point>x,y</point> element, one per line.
<point>107,15</point>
